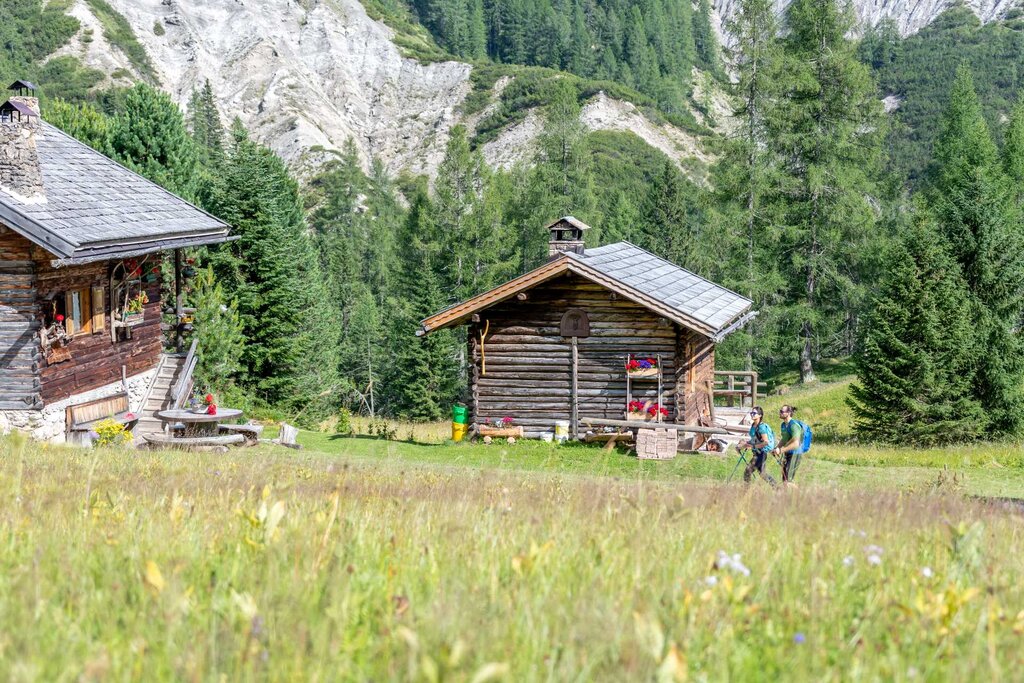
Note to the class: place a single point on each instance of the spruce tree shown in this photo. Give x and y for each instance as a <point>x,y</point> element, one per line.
<point>704,39</point>
<point>918,349</point>
<point>1013,151</point>
<point>980,224</point>
<point>206,127</point>
<point>218,329</point>
<point>290,325</point>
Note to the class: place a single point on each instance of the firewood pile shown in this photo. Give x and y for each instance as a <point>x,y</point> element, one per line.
<point>656,444</point>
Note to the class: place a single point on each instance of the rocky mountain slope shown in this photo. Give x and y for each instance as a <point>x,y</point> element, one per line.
<point>910,16</point>
<point>306,75</point>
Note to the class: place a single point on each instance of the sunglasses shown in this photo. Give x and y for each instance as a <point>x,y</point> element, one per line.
<point>754,413</point>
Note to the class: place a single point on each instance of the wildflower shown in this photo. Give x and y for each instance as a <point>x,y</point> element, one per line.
<point>926,572</point>
<point>711,580</point>
<point>874,550</point>
<point>848,561</point>
<point>799,638</point>
<point>874,559</point>
<point>732,563</point>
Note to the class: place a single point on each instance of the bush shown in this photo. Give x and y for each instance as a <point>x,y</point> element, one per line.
<point>111,433</point>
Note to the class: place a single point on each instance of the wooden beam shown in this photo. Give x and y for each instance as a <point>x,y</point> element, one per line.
<point>696,429</point>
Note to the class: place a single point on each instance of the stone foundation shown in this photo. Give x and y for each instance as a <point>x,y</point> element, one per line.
<point>48,424</point>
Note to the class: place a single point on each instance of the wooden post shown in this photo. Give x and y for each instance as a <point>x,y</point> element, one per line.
<point>575,388</point>
<point>179,301</point>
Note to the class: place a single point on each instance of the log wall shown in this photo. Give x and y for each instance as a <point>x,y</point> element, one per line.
<point>95,359</point>
<point>529,365</point>
<point>19,325</point>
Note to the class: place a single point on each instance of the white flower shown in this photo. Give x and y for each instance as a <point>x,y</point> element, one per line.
<point>874,559</point>
<point>732,563</point>
<point>926,572</point>
<point>848,561</point>
<point>874,550</point>
<point>711,580</point>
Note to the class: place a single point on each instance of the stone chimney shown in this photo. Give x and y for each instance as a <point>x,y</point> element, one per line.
<point>566,235</point>
<point>20,174</point>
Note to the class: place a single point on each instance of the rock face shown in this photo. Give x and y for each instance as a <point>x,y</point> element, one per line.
<point>910,15</point>
<point>301,74</point>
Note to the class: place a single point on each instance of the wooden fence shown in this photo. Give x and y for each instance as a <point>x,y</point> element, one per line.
<point>738,386</point>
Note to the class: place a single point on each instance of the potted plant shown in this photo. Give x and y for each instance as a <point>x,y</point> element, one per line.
<point>641,367</point>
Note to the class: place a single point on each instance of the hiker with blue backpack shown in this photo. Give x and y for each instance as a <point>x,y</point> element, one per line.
<point>794,441</point>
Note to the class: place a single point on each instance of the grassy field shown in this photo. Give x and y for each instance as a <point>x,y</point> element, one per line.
<point>385,561</point>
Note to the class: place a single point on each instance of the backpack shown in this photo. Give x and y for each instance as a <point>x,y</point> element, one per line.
<point>764,429</point>
<point>805,445</point>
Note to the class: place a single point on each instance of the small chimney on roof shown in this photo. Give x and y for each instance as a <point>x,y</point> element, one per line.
<point>566,235</point>
<point>20,175</point>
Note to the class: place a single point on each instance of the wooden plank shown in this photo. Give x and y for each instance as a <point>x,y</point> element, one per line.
<point>696,429</point>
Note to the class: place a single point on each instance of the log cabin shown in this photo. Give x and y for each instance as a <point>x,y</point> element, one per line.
<point>81,239</point>
<point>554,344</point>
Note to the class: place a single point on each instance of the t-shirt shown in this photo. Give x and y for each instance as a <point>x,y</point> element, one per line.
<point>787,431</point>
<point>762,433</point>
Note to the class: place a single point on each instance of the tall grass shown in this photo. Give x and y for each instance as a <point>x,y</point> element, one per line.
<point>282,566</point>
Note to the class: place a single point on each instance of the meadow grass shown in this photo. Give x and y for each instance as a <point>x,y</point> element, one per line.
<point>380,562</point>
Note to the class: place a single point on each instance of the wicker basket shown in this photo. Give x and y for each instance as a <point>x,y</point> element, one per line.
<point>643,372</point>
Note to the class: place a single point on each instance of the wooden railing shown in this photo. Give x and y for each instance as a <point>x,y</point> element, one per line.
<point>741,385</point>
<point>183,386</point>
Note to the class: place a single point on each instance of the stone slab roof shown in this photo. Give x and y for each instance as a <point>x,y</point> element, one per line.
<point>676,287</point>
<point>93,208</point>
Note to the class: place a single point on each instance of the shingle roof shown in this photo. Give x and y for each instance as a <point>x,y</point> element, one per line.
<point>638,275</point>
<point>96,208</point>
<point>687,292</point>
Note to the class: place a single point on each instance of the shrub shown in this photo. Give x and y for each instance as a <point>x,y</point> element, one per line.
<point>111,433</point>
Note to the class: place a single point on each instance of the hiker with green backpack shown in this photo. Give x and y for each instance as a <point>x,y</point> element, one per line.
<point>794,441</point>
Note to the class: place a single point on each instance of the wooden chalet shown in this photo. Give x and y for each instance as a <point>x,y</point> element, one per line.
<point>553,344</point>
<point>80,244</point>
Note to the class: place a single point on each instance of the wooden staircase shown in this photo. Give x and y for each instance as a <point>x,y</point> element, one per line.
<point>172,383</point>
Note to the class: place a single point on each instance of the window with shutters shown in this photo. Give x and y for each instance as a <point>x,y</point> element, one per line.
<point>81,311</point>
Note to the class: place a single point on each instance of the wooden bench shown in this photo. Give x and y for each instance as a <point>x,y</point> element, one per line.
<point>251,432</point>
<point>80,419</point>
<point>193,442</point>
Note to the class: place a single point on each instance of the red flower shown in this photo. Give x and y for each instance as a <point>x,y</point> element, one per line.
<point>209,399</point>
<point>129,416</point>
<point>633,364</point>
<point>59,318</point>
<point>212,410</point>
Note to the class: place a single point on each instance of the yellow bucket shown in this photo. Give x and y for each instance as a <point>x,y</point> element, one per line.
<point>458,431</point>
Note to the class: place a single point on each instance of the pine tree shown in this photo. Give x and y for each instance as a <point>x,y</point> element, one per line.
<point>916,357</point>
<point>149,136</point>
<point>980,223</point>
<point>668,229</point>
<point>83,122</point>
<point>424,372</point>
<point>826,130</point>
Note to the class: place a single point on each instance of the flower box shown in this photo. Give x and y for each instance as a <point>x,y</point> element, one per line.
<point>643,372</point>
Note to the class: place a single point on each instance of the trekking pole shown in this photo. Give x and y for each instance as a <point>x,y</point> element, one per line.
<point>742,459</point>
